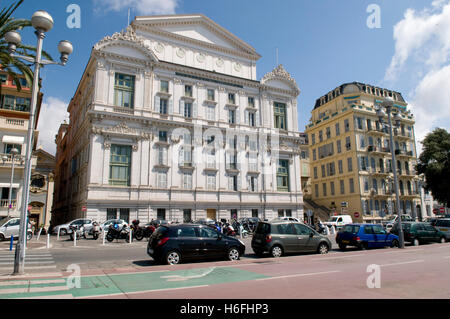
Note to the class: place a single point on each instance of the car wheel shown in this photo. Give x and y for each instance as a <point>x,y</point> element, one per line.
<point>63,232</point>
<point>416,242</point>
<point>276,251</point>
<point>173,258</point>
<point>342,246</point>
<point>443,240</point>
<point>109,238</point>
<point>233,254</point>
<point>139,235</point>
<point>394,243</point>
<point>323,249</point>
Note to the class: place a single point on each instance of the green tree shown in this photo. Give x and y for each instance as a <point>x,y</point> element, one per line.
<point>434,163</point>
<point>14,66</point>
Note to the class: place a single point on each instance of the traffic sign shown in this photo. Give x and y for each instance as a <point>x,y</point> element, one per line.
<point>356,215</point>
<point>435,211</point>
<point>344,204</point>
<point>442,210</point>
<point>84,209</point>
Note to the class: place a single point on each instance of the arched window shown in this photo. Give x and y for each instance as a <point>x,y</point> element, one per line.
<point>375,186</point>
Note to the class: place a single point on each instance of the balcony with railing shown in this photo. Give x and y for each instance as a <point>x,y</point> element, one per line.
<point>4,203</point>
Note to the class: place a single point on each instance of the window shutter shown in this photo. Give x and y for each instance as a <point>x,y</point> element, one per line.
<point>157,103</point>
<point>182,107</point>
<point>194,110</point>
<point>227,160</point>
<point>170,106</point>
<point>165,156</point>
<point>181,156</point>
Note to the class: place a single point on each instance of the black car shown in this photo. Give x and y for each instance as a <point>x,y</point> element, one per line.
<point>173,243</point>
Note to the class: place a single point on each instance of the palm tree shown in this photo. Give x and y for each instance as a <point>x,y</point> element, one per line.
<point>14,66</point>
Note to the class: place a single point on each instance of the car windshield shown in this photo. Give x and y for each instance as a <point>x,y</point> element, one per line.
<point>333,219</point>
<point>4,221</point>
<point>263,228</point>
<point>352,229</point>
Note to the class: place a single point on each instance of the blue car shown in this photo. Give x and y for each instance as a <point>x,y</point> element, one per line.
<point>365,236</point>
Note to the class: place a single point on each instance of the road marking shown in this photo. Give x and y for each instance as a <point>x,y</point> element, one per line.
<point>141,292</point>
<point>32,290</point>
<point>347,256</point>
<point>32,282</point>
<point>30,268</point>
<point>30,262</point>
<point>300,275</point>
<point>404,263</point>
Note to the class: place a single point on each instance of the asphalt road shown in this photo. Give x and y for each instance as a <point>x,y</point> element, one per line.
<point>121,270</point>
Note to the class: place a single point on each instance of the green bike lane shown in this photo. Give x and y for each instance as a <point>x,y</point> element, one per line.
<point>122,284</point>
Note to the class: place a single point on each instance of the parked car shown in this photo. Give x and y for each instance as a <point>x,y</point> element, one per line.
<point>172,244</point>
<point>65,228</point>
<point>365,236</point>
<point>418,233</point>
<point>159,222</point>
<point>291,219</point>
<point>105,225</point>
<point>281,237</point>
<point>10,227</point>
<point>339,221</point>
<point>443,225</point>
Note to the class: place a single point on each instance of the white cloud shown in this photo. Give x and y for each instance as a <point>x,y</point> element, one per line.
<point>53,113</point>
<point>422,56</point>
<point>145,7</point>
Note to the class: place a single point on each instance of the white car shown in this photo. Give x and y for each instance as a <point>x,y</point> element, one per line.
<point>291,219</point>
<point>10,227</point>
<point>64,229</point>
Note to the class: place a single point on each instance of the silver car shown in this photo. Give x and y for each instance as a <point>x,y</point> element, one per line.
<point>10,227</point>
<point>64,229</point>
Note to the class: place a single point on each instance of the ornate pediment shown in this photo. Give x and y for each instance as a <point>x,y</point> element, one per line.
<point>126,38</point>
<point>281,75</point>
<point>194,29</point>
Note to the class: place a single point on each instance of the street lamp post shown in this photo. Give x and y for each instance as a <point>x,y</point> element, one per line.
<point>13,153</point>
<point>42,22</point>
<point>388,105</point>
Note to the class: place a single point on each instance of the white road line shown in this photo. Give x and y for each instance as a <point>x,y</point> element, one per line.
<point>142,292</point>
<point>30,262</point>
<point>30,268</point>
<point>404,263</point>
<point>27,276</point>
<point>347,256</point>
<point>32,290</point>
<point>31,282</point>
<point>300,275</point>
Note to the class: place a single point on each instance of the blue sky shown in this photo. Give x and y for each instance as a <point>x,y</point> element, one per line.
<point>322,43</point>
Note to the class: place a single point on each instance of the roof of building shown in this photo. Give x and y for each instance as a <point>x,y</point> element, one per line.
<point>361,88</point>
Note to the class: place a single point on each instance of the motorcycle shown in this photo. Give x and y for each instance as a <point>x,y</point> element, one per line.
<point>115,232</point>
<point>229,230</point>
<point>138,232</point>
<point>148,230</point>
<point>78,230</point>
<point>321,229</point>
<point>241,229</point>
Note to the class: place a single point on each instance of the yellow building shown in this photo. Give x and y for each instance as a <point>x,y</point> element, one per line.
<point>350,156</point>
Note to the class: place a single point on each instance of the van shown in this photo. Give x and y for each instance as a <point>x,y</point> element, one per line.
<point>339,221</point>
<point>443,225</point>
<point>280,237</point>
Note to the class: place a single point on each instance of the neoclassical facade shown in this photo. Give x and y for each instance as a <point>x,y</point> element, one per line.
<point>169,121</point>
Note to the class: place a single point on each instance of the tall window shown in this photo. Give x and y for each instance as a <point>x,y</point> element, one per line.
<point>338,129</point>
<point>349,164</point>
<point>348,144</point>
<point>120,165</point>
<point>332,188</point>
<point>211,95</point>
<point>347,125</point>
<point>124,90</point>
<point>251,119</point>
<point>163,103</point>
<point>211,113</point>
<point>232,98</point>
<point>251,102</point>
<point>164,87</point>
<point>188,110</point>
<point>352,185</point>
<point>161,180</point>
<point>9,147</point>
<point>283,175</point>
<point>232,116</point>
<point>342,184</point>
<point>339,147</point>
<point>280,116</point>
<point>187,180</point>
<point>211,182</point>
<point>188,90</point>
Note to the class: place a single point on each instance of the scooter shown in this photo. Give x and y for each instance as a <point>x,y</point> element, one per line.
<point>115,232</point>
<point>229,230</point>
<point>95,230</point>
<point>79,230</point>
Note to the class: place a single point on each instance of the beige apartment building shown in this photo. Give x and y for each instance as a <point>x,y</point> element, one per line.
<point>350,155</point>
